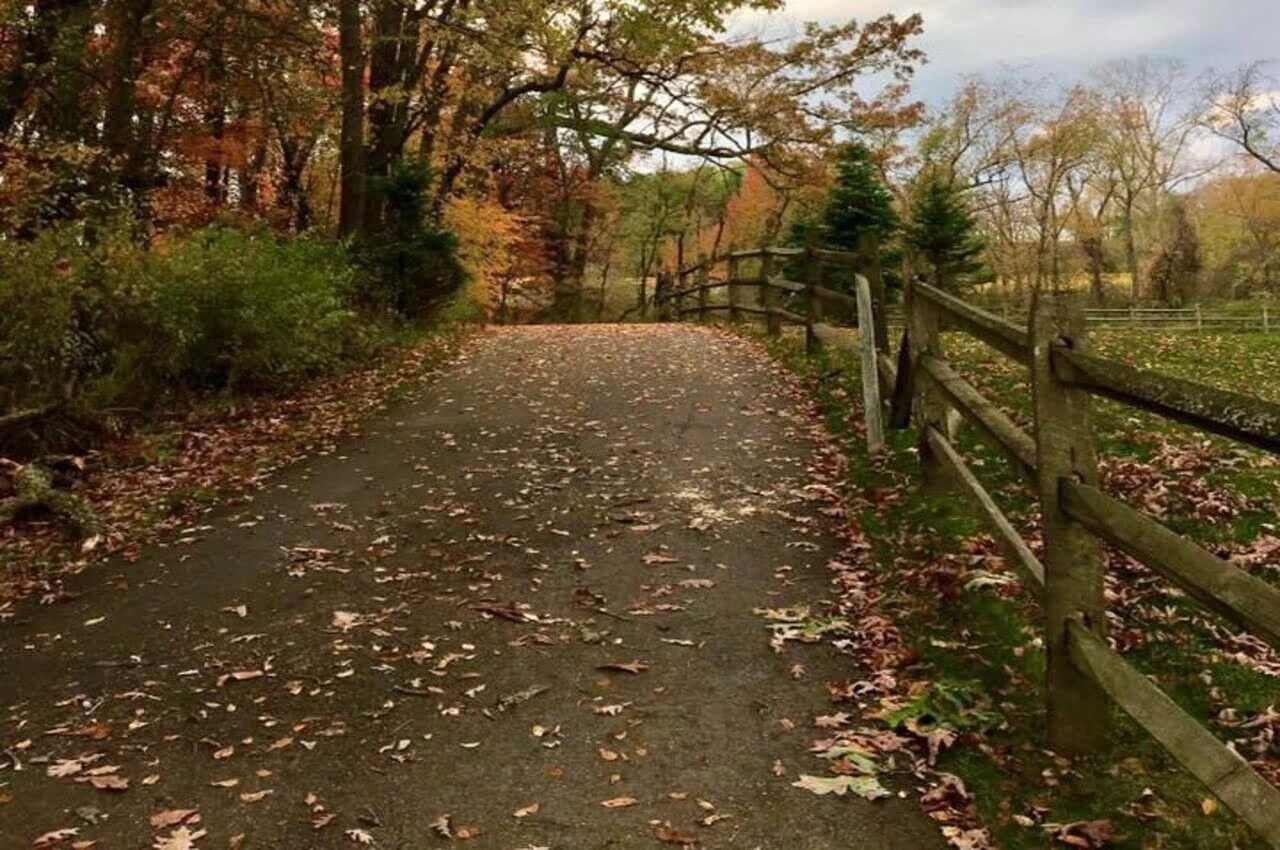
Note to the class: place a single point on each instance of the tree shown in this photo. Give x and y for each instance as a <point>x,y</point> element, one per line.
<point>945,235</point>
<point>859,204</point>
<point>1143,144</point>
<point>1175,272</point>
<point>1244,109</point>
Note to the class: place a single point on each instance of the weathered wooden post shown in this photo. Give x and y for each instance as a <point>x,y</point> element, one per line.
<point>663,295</point>
<point>923,340</point>
<point>768,294</point>
<point>870,373</point>
<point>702,276</point>
<point>1199,319</point>
<point>1266,325</point>
<point>734,272</point>
<point>644,299</point>
<point>812,309</point>
<point>681,284</point>
<point>1079,714</point>
<point>1133,315</point>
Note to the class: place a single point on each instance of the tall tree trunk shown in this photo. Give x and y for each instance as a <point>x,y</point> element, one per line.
<point>351,146</point>
<point>1130,250</point>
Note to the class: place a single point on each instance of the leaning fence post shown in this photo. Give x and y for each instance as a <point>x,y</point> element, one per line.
<point>930,410</point>
<point>1079,714</point>
<point>704,271</point>
<point>768,294</point>
<point>867,331</point>
<point>812,310</point>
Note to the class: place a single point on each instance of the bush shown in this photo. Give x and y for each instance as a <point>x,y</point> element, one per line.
<point>92,319</point>
<point>226,310</point>
<point>410,267</point>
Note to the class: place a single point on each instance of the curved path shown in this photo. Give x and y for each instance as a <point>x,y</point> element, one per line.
<point>413,635</point>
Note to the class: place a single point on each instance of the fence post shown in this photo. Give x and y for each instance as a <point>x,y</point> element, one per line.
<point>1133,315</point>
<point>1079,714</point>
<point>769,295</point>
<point>930,410</point>
<point>1199,319</point>
<point>1266,325</point>
<point>733,273</point>
<point>704,271</point>
<point>812,310</point>
<point>867,332</point>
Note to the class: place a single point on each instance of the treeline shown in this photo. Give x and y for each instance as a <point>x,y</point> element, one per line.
<point>198,176</point>
<point>1143,183</point>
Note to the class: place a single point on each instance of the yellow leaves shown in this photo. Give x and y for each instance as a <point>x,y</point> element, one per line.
<point>487,236</point>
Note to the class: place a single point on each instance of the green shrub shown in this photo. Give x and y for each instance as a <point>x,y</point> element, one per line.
<point>228,310</point>
<point>409,267</point>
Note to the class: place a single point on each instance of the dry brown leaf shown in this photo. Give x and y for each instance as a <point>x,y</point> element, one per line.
<point>181,838</point>
<point>255,796</point>
<point>324,820</point>
<point>531,809</point>
<point>633,667</point>
<point>172,817</point>
<point>57,836</point>
<point>671,835</point>
<point>106,782</point>
<point>465,832</point>
<point>619,802</point>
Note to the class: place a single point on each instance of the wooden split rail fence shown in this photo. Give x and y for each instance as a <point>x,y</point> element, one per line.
<point>1058,459</point>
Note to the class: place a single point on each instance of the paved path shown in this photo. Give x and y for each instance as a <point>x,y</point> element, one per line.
<point>415,626</point>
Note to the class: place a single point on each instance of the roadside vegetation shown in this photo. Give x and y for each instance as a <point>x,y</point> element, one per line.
<point>972,633</point>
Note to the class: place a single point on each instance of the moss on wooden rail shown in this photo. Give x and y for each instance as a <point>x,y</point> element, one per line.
<point>1229,414</point>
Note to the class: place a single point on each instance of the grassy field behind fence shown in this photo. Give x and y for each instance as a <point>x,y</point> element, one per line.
<point>977,633</point>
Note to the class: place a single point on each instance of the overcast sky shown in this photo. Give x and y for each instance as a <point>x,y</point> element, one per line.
<point>1064,37</point>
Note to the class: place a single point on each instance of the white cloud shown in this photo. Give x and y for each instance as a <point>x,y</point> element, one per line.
<point>1058,36</point>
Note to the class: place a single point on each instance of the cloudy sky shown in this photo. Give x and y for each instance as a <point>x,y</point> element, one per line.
<point>1064,37</point>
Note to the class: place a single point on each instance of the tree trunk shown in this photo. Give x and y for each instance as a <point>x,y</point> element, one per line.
<point>1130,251</point>
<point>351,149</point>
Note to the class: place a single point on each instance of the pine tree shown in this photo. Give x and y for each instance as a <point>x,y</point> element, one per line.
<point>858,204</point>
<point>943,233</point>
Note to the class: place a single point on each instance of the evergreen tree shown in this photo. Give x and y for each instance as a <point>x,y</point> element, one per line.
<point>943,232</point>
<point>859,204</point>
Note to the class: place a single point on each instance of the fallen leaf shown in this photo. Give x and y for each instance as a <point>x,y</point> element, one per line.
<point>225,783</point>
<point>107,782</point>
<point>255,796</point>
<point>531,809</point>
<point>49,839</point>
<point>633,667</point>
<point>180,839</point>
<point>172,817</point>
<point>359,836</point>
<point>671,835</point>
<point>619,802</point>
<point>324,820</point>
<point>867,787</point>
<point>463,833</point>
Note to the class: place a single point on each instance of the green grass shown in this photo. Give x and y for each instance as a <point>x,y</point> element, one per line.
<point>986,640</point>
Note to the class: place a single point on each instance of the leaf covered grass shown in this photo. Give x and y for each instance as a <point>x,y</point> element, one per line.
<point>975,632</point>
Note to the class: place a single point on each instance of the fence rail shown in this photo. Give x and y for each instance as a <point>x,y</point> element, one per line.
<point>1085,675</point>
<point>1155,318</point>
